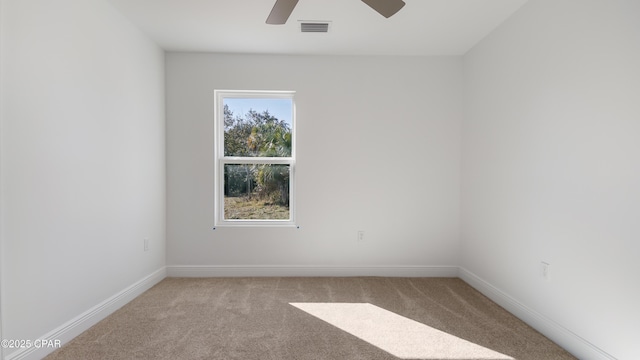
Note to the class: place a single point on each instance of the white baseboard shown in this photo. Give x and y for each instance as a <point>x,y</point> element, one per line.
<point>564,337</point>
<point>311,271</point>
<point>84,321</point>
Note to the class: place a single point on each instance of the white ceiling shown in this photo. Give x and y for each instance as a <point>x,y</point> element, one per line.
<point>422,27</point>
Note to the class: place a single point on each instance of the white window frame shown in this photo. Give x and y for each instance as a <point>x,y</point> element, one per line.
<point>221,160</point>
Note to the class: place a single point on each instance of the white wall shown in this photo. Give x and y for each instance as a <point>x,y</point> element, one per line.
<point>551,165</point>
<point>83,171</point>
<point>378,150</point>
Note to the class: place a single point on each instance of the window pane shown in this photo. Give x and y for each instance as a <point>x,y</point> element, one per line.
<point>257,127</point>
<point>256,192</point>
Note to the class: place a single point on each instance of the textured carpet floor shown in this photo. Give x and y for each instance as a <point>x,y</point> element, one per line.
<point>252,318</point>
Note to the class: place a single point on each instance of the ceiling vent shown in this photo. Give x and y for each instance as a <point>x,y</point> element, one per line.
<point>314,27</point>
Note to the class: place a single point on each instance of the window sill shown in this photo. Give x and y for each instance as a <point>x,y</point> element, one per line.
<point>244,226</point>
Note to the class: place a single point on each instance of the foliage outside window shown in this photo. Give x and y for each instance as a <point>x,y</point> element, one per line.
<point>255,157</point>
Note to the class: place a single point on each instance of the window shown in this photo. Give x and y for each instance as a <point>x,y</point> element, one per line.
<point>255,157</point>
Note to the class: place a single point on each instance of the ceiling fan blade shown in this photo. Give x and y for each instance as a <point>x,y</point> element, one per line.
<point>386,8</point>
<point>281,11</point>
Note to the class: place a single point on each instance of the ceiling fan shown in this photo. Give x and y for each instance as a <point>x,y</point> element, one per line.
<point>283,8</point>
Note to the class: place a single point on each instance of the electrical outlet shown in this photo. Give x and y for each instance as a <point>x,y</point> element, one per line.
<point>544,270</point>
<point>146,244</point>
<point>360,236</point>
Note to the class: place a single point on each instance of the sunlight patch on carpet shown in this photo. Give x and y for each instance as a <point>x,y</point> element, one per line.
<point>396,334</point>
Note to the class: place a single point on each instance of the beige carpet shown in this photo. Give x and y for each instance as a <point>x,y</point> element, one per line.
<point>311,318</point>
<point>396,334</point>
